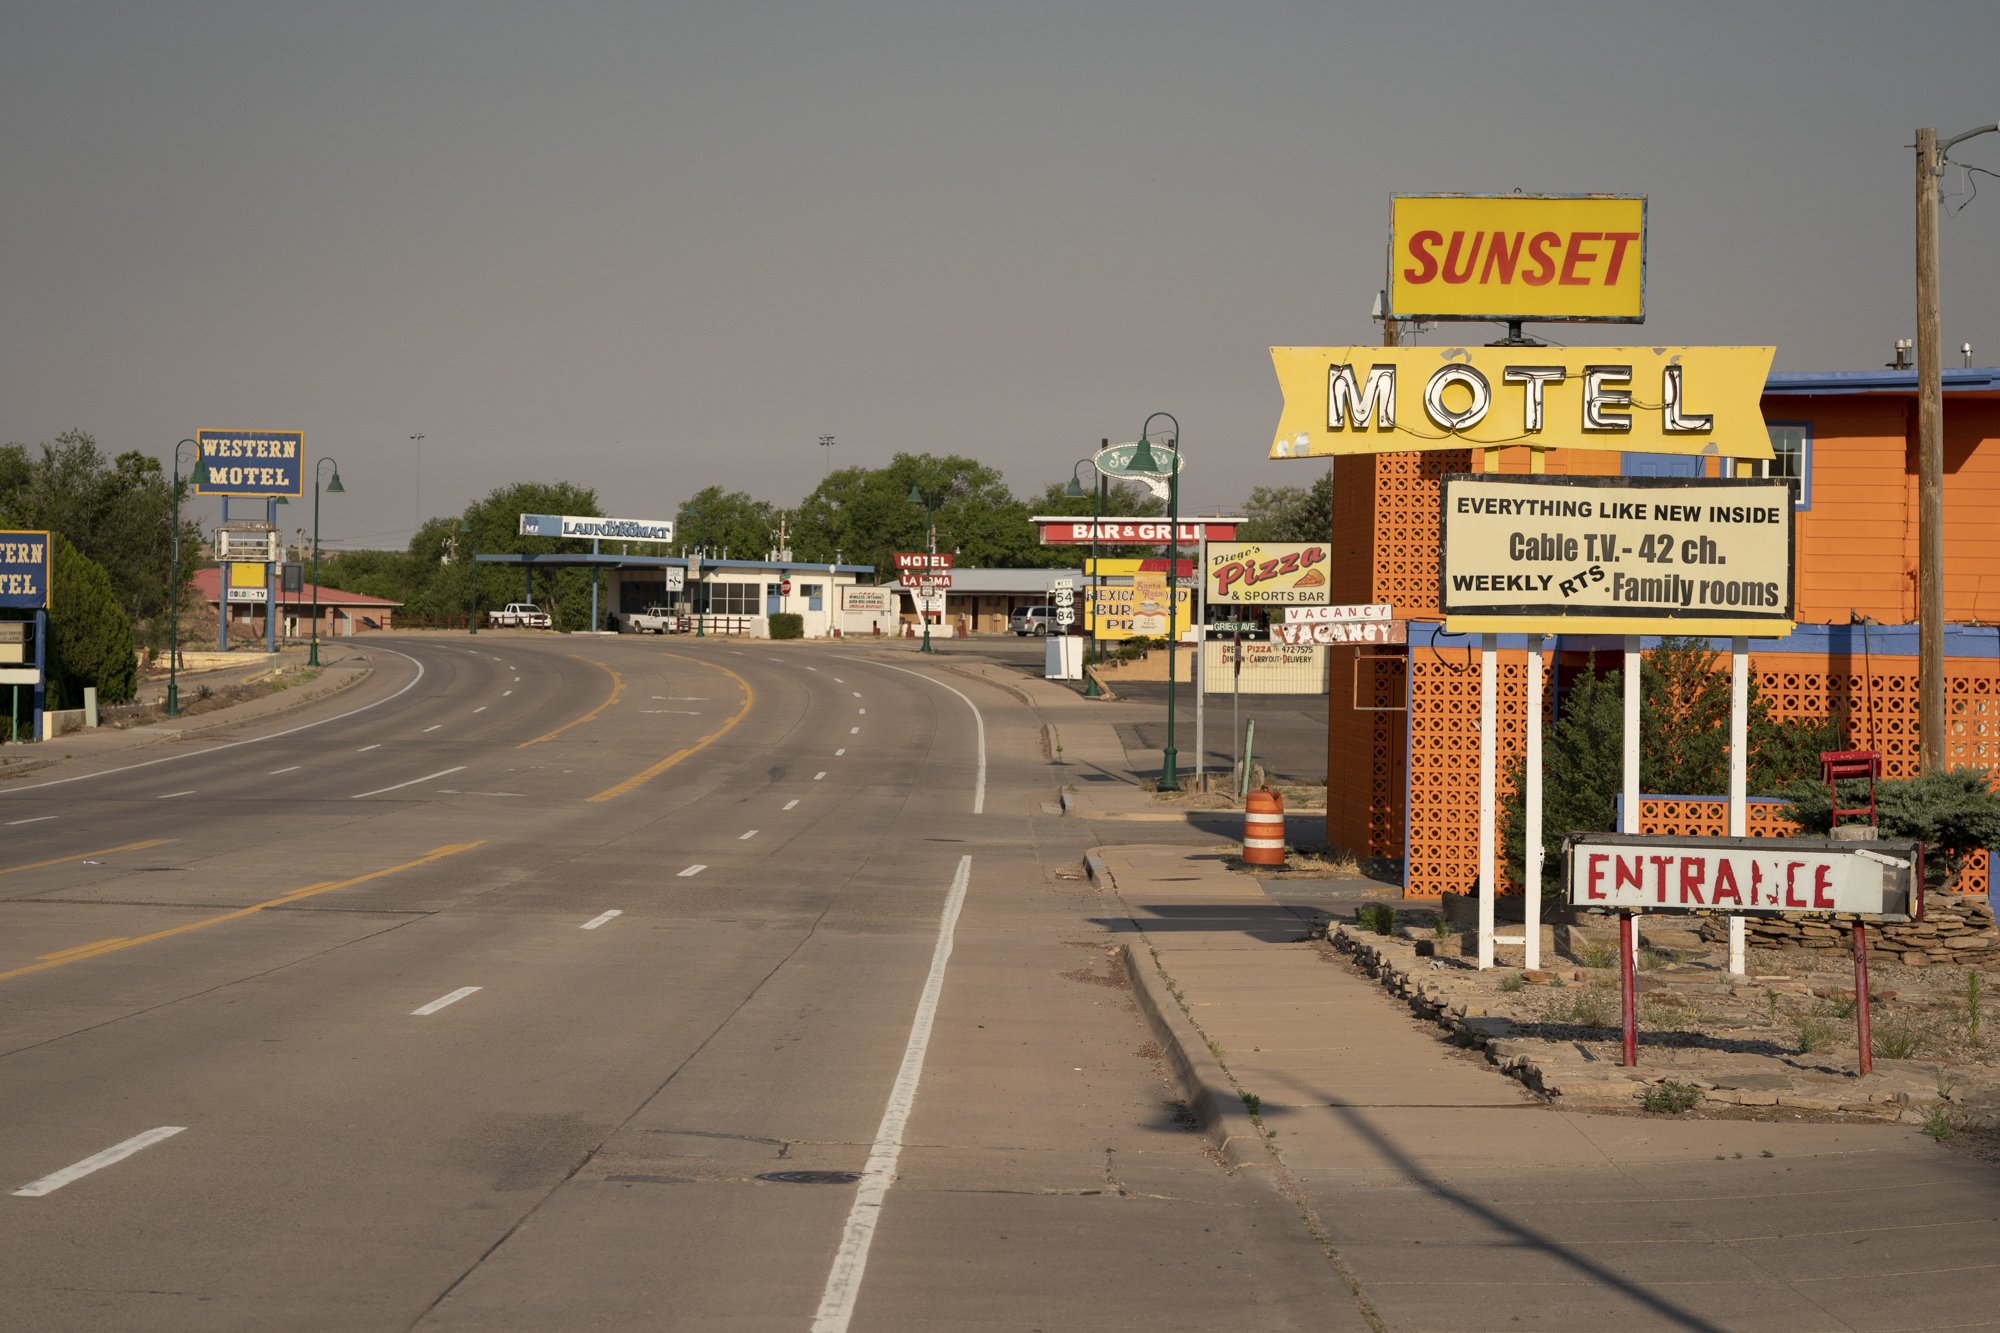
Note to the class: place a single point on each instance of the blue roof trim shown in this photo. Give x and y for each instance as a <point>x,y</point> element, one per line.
<point>1975,380</point>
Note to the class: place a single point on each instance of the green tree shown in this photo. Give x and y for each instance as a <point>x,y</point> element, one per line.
<point>1955,815</point>
<point>90,640</point>
<point>716,521</point>
<point>1582,774</point>
<point>866,514</point>
<point>1289,513</point>
<point>118,513</point>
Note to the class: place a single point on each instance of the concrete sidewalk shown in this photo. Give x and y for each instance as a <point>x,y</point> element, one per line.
<point>1449,1195</point>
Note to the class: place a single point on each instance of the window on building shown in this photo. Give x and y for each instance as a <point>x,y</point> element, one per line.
<point>813,595</point>
<point>734,599</point>
<point>1791,443</point>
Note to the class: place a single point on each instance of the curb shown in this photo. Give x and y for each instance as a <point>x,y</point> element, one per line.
<point>1211,1094</point>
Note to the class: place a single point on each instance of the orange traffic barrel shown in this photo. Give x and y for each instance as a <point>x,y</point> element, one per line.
<point>1264,828</point>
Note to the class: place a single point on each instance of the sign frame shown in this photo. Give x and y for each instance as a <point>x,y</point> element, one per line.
<point>24,582</point>
<point>211,444</point>
<point>1487,215</point>
<point>1562,570</point>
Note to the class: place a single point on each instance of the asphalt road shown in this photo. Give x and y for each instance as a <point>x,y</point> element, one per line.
<point>509,989</point>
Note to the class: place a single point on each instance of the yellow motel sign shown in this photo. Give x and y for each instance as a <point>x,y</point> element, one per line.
<point>1518,257</point>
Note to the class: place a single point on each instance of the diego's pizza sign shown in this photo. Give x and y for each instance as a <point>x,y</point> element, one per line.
<point>1269,573</point>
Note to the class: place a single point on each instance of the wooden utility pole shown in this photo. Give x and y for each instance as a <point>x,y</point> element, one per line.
<point>1930,470</point>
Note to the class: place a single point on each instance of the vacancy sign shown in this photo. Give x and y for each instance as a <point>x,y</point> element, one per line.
<point>1615,555</point>
<point>1755,876</point>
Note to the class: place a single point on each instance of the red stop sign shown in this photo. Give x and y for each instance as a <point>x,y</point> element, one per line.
<point>785,587</point>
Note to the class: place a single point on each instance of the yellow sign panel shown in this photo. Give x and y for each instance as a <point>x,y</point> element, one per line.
<point>1616,555</point>
<point>1517,257</point>
<point>1135,613</point>
<point>1380,400</point>
<point>1269,573</point>
<point>245,575</point>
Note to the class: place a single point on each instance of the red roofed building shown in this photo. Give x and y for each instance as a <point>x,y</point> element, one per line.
<point>341,614</point>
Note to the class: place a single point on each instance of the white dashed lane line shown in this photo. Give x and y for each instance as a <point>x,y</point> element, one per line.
<point>366,748</point>
<point>862,711</point>
<point>790,804</point>
<point>443,1000</point>
<point>36,820</point>
<point>818,776</point>
<point>429,730</point>
<point>482,708</point>
<point>293,769</point>
<point>441,773</point>
<point>854,731</point>
<point>841,751</point>
<point>691,872</point>
<point>600,919</point>
<point>746,837</point>
<point>55,1180</point>
<point>172,794</point>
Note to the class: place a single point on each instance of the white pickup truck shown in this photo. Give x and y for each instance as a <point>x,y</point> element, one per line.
<point>653,620</point>
<point>519,615</point>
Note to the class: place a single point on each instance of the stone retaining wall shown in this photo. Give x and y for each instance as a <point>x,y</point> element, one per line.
<point>1957,929</point>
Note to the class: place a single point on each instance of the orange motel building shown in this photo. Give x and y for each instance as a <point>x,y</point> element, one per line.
<point>1403,722</point>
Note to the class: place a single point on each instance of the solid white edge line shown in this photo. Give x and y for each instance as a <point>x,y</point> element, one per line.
<point>600,919</point>
<point>691,871</point>
<point>293,769</point>
<point>54,1181</point>
<point>979,721</point>
<point>230,745</point>
<point>168,796</point>
<point>443,1000</point>
<point>36,820</point>
<point>850,1262</point>
<point>441,773</point>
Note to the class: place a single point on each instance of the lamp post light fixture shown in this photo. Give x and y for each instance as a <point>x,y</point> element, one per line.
<point>333,487</point>
<point>196,477</point>
<point>1143,460</point>
<point>1075,492</point>
<point>930,528</point>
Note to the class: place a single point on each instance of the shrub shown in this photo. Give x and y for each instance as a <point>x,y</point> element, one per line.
<point>1671,1097</point>
<point>1378,917</point>
<point>787,625</point>
<point>1955,815</point>
<point>90,636</point>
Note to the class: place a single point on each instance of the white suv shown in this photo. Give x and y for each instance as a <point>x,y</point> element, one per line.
<point>1032,620</point>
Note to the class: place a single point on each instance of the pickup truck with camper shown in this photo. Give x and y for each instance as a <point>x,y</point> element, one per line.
<point>519,615</point>
<point>653,620</point>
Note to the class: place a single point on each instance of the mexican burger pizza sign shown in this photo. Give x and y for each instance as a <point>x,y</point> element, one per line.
<point>1269,573</point>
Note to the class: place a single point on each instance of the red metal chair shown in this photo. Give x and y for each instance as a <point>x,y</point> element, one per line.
<point>1836,765</point>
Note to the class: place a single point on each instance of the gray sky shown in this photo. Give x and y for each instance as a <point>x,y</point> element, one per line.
<point>652,247</point>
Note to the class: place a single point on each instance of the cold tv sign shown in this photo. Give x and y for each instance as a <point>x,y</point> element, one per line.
<point>252,463</point>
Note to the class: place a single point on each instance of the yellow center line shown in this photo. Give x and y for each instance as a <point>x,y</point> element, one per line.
<point>617,688</point>
<point>83,948</point>
<point>647,775</point>
<point>80,856</point>
<point>103,947</point>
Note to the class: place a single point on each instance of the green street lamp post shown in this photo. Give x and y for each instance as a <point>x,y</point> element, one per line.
<point>930,527</point>
<point>1075,492</point>
<point>465,533</point>
<point>333,487</point>
<point>1143,460</point>
<point>196,477</point>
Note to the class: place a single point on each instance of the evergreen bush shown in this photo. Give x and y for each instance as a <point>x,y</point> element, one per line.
<point>787,625</point>
<point>90,635</point>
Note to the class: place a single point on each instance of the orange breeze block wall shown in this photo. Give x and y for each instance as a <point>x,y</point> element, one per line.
<point>1877,697</point>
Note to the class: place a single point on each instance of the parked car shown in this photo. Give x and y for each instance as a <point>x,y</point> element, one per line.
<point>1032,620</point>
<point>519,615</point>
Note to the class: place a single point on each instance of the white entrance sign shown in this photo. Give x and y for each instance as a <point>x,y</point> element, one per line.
<point>1873,881</point>
<point>1616,555</point>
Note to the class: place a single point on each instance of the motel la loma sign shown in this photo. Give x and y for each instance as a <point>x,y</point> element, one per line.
<point>1673,400</point>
